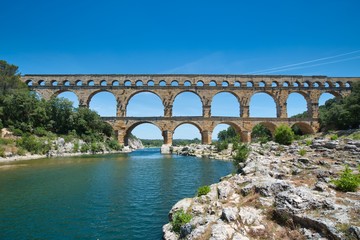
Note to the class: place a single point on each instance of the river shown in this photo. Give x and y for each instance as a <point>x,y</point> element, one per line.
<point>119,196</point>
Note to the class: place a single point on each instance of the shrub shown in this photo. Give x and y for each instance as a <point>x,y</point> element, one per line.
<point>40,131</point>
<point>284,135</point>
<point>76,147</point>
<point>95,147</point>
<point>221,145</point>
<point>2,152</point>
<point>84,148</point>
<point>308,142</point>
<point>242,154</point>
<point>347,182</point>
<point>113,145</point>
<point>302,152</point>
<point>21,152</point>
<point>334,137</point>
<point>180,218</point>
<point>203,190</point>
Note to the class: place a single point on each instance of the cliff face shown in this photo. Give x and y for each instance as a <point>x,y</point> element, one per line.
<point>135,143</point>
<point>280,194</point>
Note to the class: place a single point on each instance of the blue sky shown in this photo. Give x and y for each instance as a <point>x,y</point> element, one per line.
<point>235,37</point>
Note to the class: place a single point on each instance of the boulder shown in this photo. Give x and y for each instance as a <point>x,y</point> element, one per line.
<point>229,214</point>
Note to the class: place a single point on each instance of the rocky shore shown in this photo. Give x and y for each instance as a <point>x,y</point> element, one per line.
<point>282,192</point>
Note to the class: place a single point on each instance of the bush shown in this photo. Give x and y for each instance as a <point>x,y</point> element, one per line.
<point>284,135</point>
<point>308,142</point>
<point>84,148</point>
<point>302,152</point>
<point>203,190</point>
<point>33,144</point>
<point>242,153</point>
<point>40,131</point>
<point>180,218</point>
<point>76,147</point>
<point>334,137</point>
<point>21,152</point>
<point>347,182</point>
<point>95,147</point>
<point>2,152</point>
<point>113,145</point>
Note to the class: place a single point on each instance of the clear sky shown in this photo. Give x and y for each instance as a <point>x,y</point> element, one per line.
<point>320,37</point>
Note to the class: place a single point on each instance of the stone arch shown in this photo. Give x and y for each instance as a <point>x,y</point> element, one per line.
<point>348,84</point>
<point>41,83</point>
<point>262,84</point>
<point>133,126</point>
<point>263,94</point>
<point>237,128</point>
<point>324,96</point>
<point>269,125</point>
<point>237,84</point>
<point>296,84</point>
<point>187,83</point>
<point>106,109</point>
<point>78,83</point>
<point>91,95</point>
<point>139,83</point>
<point>225,84</point>
<point>76,102</point>
<point>103,83</point>
<point>127,83</point>
<point>29,82</point>
<point>212,83</point>
<point>304,127</point>
<point>296,97</point>
<point>274,84</point>
<point>184,133</point>
<point>174,83</point>
<point>306,84</point>
<point>162,83</point>
<point>187,91</point>
<point>153,93</point>
<point>115,83</point>
<point>54,83</point>
<point>238,104</point>
<point>286,84</point>
<point>150,83</point>
<point>200,83</point>
<point>91,83</point>
<point>66,83</point>
<point>249,84</point>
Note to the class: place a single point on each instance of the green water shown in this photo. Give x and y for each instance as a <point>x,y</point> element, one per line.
<point>122,196</point>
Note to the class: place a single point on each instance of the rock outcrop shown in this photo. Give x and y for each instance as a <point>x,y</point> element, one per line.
<point>279,194</point>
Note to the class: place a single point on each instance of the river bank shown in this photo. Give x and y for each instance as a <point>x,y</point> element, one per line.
<point>282,192</point>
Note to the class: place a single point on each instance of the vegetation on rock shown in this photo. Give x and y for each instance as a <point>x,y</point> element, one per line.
<point>179,219</point>
<point>203,190</point>
<point>348,182</point>
<point>284,135</point>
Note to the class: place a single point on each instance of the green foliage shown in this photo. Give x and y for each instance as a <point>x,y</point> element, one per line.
<point>221,145</point>
<point>342,113</point>
<point>84,148</point>
<point>95,147</point>
<point>284,135</point>
<point>347,182</point>
<point>203,190</point>
<point>308,142</point>
<point>2,152</point>
<point>302,152</point>
<point>334,137</point>
<point>226,135</point>
<point>113,145</point>
<point>9,78</point>
<point>260,134</point>
<point>21,151</point>
<point>40,131</point>
<point>301,115</point>
<point>242,153</point>
<point>180,218</point>
<point>76,147</point>
<point>33,144</point>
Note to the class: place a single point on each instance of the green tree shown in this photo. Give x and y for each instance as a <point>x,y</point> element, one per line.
<point>284,135</point>
<point>227,134</point>
<point>260,133</point>
<point>9,78</point>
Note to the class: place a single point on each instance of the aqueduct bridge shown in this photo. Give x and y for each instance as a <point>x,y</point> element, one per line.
<point>167,87</point>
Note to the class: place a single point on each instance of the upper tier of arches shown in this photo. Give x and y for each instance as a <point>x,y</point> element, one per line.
<point>198,81</point>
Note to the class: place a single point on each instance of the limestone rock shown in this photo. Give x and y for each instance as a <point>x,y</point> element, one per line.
<point>229,214</point>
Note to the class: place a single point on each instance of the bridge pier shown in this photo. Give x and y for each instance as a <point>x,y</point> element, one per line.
<point>206,137</point>
<point>167,135</point>
<point>245,136</point>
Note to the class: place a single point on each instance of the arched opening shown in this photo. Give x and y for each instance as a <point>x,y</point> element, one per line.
<point>225,104</point>
<point>296,84</point>
<point>347,85</point>
<point>103,83</point>
<point>301,128</point>
<point>186,133</point>
<point>297,106</point>
<point>324,97</point>
<point>200,84</point>
<point>174,83</point>
<point>41,83</point>
<point>54,83</point>
<point>306,84</point>
<point>145,104</point>
<point>187,104</point>
<point>316,84</point>
<point>78,83</point>
<point>29,82</point>
<point>91,83</point>
<point>150,83</point>
<point>115,83</point>
<point>162,83</point>
<point>104,103</point>
<point>187,83</point>
<point>139,83</point>
<point>262,105</point>
<point>212,84</point>
<point>66,83</point>
<point>225,131</point>
<point>249,84</point>
<point>337,84</point>
<point>327,85</point>
<point>147,133</point>
<point>237,84</point>
<point>262,132</point>
<point>127,83</point>
<point>71,97</point>
<point>224,84</point>
<point>285,84</point>
<point>262,84</point>
<point>274,84</point>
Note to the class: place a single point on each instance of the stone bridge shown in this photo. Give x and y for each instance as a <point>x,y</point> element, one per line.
<point>167,87</point>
